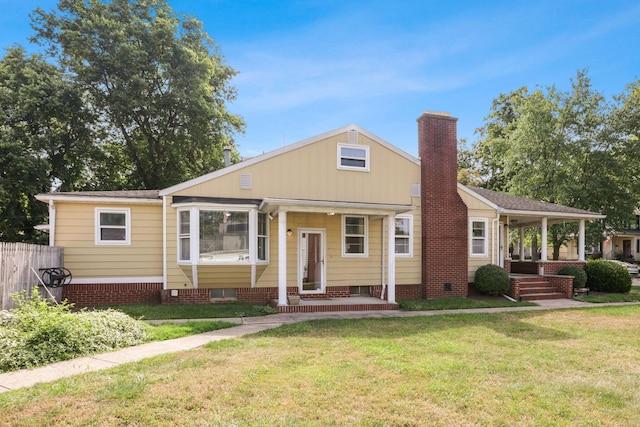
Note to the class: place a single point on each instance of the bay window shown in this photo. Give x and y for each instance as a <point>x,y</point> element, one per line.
<point>216,235</point>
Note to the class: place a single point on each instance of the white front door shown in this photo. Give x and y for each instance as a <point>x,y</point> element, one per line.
<point>311,257</point>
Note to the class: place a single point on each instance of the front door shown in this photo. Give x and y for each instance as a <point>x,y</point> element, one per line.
<point>311,256</point>
<point>626,248</point>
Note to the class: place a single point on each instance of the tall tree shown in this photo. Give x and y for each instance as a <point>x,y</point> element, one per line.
<point>45,140</point>
<point>156,82</point>
<point>560,147</point>
<point>625,123</point>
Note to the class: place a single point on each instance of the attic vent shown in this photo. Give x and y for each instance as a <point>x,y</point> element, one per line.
<point>353,137</point>
<point>246,181</point>
<point>415,190</point>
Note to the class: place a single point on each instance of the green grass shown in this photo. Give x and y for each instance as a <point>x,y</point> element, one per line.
<point>560,368</point>
<point>459,303</point>
<point>596,297</point>
<point>169,331</point>
<point>192,311</point>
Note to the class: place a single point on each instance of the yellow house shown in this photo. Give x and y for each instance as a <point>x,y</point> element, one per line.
<point>625,243</point>
<point>340,214</point>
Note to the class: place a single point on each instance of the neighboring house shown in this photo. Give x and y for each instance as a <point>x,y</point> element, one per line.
<point>343,213</point>
<point>625,243</point>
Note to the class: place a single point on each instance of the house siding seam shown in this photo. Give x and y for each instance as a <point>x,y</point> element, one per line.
<point>444,213</point>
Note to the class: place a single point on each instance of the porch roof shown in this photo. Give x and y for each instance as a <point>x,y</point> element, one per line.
<point>272,205</point>
<point>524,210</point>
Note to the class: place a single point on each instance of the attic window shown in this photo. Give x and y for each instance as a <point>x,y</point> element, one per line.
<point>353,157</point>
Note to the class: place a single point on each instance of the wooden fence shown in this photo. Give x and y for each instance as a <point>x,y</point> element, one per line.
<point>16,263</point>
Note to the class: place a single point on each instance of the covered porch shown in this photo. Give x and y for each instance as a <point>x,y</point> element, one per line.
<point>325,249</point>
<point>533,273</point>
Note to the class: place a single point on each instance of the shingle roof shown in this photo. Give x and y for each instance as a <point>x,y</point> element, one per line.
<point>516,203</point>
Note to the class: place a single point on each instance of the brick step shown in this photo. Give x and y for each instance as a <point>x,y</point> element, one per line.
<point>538,289</point>
<point>540,283</point>
<point>543,295</point>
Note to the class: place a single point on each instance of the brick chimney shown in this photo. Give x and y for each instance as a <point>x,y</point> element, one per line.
<point>444,215</point>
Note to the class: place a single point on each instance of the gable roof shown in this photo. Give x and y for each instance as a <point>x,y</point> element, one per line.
<point>285,149</point>
<point>510,204</point>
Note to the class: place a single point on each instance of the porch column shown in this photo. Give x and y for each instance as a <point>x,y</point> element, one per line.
<point>543,232</point>
<point>282,258</point>
<point>391,259</point>
<point>521,243</point>
<point>581,240</point>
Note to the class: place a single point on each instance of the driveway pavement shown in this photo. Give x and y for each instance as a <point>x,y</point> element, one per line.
<point>249,325</point>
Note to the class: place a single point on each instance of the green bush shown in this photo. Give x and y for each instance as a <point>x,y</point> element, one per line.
<point>605,276</point>
<point>37,332</point>
<point>579,276</point>
<point>491,279</point>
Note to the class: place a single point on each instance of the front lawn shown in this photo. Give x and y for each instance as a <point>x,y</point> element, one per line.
<point>192,311</point>
<point>454,303</point>
<point>559,367</point>
<point>600,297</point>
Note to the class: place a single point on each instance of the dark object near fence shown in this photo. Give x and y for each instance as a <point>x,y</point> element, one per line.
<point>55,277</point>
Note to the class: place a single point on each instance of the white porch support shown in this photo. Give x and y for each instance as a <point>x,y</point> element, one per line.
<point>282,258</point>
<point>391,268</point>
<point>581,240</point>
<point>543,232</point>
<point>521,243</point>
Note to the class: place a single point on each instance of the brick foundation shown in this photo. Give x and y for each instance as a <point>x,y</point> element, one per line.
<point>93,295</point>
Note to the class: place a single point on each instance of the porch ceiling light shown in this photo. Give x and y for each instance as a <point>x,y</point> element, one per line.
<point>289,232</point>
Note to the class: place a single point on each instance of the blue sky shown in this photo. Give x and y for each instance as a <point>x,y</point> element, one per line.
<point>307,67</point>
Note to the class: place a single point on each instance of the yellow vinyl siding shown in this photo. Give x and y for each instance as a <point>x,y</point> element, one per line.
<point>295,175</point>
<point>75,230</point>
<point>341,271</point>
<point>478,209</point>
<point>310,173</point>
<point>408,270</point>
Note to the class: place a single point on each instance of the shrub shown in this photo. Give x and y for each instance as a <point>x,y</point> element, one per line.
<point>491,279</point>
<point>595,255</point>
<point>579,276</point>
<point>605,276</point>
<point>39,333</point>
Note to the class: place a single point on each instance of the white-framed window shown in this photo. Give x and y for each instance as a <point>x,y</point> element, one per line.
<point>184,235</point>
<point>479,242</point>
<point>222,235</point>
<point>353,157</point>
<point>354,232</point>
<point>404,236</point>
<point>263,237</point>
<point>113,226</point>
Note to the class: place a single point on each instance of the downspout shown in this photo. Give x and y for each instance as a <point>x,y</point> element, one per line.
<point>383,253</point>
<point>164,243</point>
<point>52,223</point>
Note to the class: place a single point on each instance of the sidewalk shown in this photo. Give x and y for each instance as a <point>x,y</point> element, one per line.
<point>249,325</point>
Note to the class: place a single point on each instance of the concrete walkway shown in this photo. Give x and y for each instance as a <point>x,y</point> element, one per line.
<point>249,325</point>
